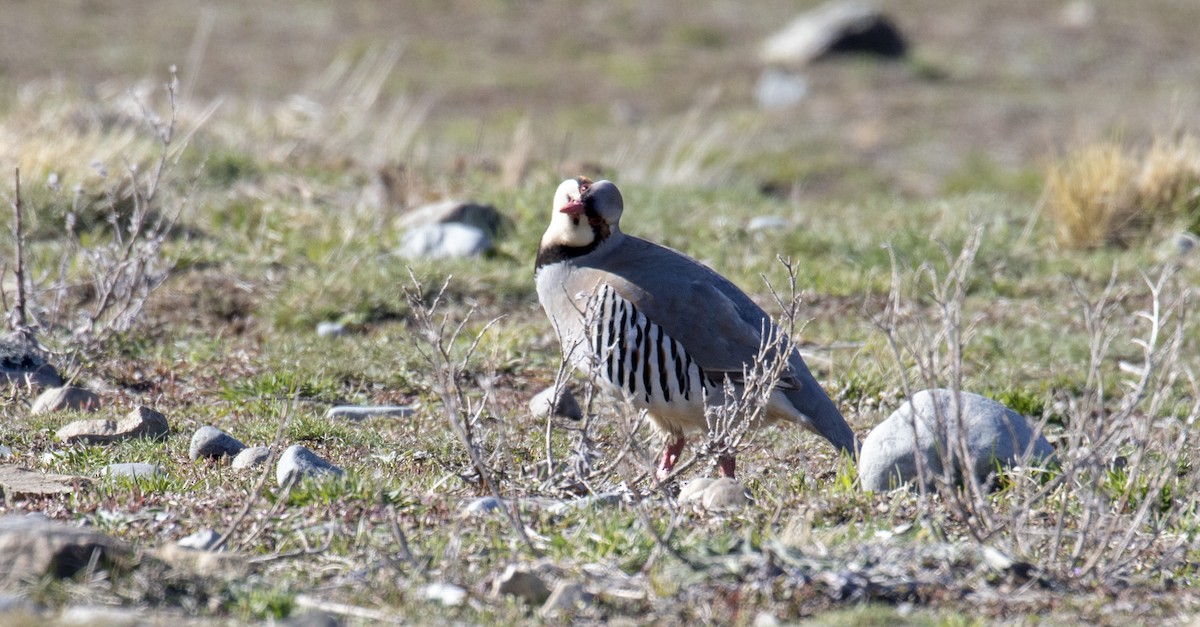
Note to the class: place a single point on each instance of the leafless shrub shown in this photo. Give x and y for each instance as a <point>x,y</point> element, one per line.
<point>1122,493</point>
<point>435,337</point>
<point>114,269</point>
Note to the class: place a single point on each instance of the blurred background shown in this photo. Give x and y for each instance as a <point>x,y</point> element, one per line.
<point>980,94</point>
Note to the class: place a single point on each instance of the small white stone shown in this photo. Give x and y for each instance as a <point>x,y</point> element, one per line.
<point>447,594</point>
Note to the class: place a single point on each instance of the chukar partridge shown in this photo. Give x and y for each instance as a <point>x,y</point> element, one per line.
<point>659,329</point>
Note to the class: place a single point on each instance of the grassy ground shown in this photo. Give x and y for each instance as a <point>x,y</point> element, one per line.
<point>294,116</point>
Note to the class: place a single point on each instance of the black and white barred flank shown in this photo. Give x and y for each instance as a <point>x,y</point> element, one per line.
<point>634,355</point>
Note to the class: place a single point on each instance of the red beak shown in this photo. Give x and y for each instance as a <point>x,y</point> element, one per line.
<point>573,208</point>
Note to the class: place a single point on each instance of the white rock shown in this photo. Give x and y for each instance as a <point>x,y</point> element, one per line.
<point>565,406</point>
<point>251,457</point>
<point>481,216</point>
<point>201,540</point>
<point>840,25</point>
<point>298,462</point>
<point>5,452</point>
<point>330,329</point>
<point>767,223</point>
<point>67,398</point>
<point>447,594</point>
<point>107,616</point>
<point>694,490</point>
<point>777,89</point>
<point>521,583</point>
<point>995,434</point>
<point>211,442</point>
<point>134,470</point>
<point>440,241</point>
<point>359,412</point>
<point>482,505</point>
<point>725,494</point>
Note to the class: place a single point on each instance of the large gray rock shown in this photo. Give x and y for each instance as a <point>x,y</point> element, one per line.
<point>22,364</point>
<point>67,398</point>
<point>298,462</point>
<point>142,422</point>
<point>838,27</point>
<point>480,216</point>
<point>440,241</point>
<point>211,442</point>
<point>994,435</point>
<point>34,546</point>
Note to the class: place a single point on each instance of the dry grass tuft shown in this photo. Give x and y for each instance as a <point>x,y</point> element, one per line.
<point>1105,194</point>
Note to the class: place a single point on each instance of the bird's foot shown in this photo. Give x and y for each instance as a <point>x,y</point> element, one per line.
<point>670,457</point>
<point>726,463</point>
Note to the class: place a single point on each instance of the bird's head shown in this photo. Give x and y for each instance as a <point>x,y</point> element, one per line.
<point>584,213</point>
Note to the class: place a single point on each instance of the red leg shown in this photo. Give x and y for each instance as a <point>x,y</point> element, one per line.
<point>670,456</point>
<point>726,463</point>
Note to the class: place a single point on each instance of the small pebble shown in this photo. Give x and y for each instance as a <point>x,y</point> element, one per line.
<point>201,540</point>
<point>359,412</point>
<point>211,442</point>
<point>330,329</point>
<point>251,457</point>
<point>447,594</point>
<point>135,470</point>
<point>482,505</point>
<point>521,583</point>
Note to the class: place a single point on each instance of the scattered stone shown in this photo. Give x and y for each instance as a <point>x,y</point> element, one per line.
<point>482,505</point>
<point>5,452</point>
<point>142,422</point>
<point>106,615</point>
<point>565,406</point>
<point>360,412</point>
<point>440,241</point>
<point>567,595</point>
<point>1077,14</point>
<point>777,89</point>
<point>22,364</point>
<point>16,481</point>
<point>66,398</point>
<point>211,442</point>
<point>32,547</point>
<point>1185,242</point>
<point>483,217</point>
<point>447,594</point>
<point>251,457</point>
<point>838,27</point>
<point>135,470</point>
<point>330,329</point>
<point>694,490</point>
<point>725,494</point>
<point>298,462</point>
<point>765,619</point>
<point>201,540</point>
<point>207,563</point>
<point>994,433</point>
<point>523,584</point>
<point>767,223</point>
